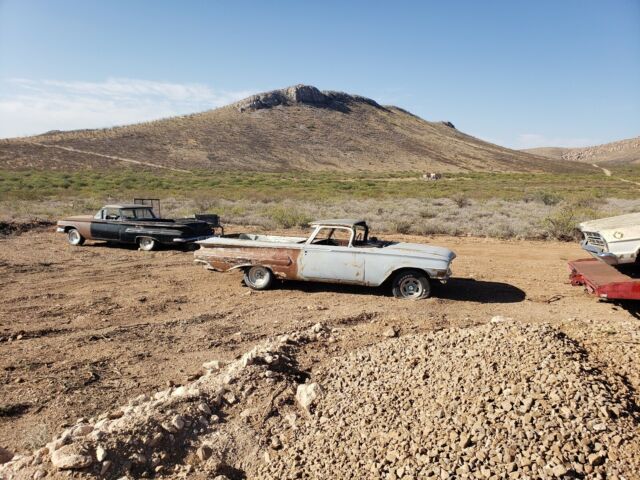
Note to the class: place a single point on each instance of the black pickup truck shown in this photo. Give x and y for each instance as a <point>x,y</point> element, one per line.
<point>133,224</point>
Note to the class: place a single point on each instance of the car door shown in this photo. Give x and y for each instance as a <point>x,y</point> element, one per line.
<point>330,257</point>
<point>108,226</point>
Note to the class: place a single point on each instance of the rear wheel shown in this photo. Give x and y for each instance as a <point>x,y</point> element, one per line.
<point>74,237</point>
<point>147,244</point>
<point>411,285</point>
<point>258,278</point>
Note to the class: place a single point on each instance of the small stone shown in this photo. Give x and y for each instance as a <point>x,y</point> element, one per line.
<point>101,453</point>
<point>38,474</point>
<point>596,459</point>
<point>230,398</point>
<point>307,394</point>
<point>138,458</point>
<point>213,365</point>
<point>560,470</point>
<point>204,408</point>
<point>204,452</point>
<point>276,444</point>
<point>81,430</point>
<point>5,455</point>
<point>106,465</point>
<point>390,332</point>
<point>71,457</point>
<point>177,422</point>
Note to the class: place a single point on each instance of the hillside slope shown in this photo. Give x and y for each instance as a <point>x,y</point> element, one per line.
<point>298,128</point>
<point>620,152</point>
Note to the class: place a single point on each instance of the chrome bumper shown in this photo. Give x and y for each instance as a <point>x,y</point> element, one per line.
<point>607,257</point>
<point>191,239</point>
<point>60,229</point>
<point>443,275</point>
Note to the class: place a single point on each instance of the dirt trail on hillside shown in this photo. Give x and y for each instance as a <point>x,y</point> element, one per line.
<point>110,157</point>
<point>83,330</point>
<point>608,173</point>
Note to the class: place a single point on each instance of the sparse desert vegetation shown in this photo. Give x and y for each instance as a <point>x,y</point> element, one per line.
<point>500,205</point>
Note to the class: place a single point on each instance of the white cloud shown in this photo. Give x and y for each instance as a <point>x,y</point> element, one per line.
<point>29,107</point>
<point>533,140</point>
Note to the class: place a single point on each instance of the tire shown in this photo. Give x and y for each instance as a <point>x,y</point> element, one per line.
<point>74,237</point>
<point>147,244</point>
<point>258,278</point>
<point>411,285</point>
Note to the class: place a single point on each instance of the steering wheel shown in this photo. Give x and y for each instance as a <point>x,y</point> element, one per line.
<point>359,237</point>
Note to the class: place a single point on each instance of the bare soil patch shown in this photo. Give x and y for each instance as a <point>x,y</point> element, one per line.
<point>84,330</point>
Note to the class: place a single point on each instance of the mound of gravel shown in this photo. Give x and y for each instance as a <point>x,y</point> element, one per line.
<point>499,401</point>
<point>490,402</point>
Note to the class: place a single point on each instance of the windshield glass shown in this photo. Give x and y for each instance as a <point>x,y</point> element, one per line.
<point>136,213</point>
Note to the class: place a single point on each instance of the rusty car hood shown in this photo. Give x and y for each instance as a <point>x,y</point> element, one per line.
<point>419,250</point>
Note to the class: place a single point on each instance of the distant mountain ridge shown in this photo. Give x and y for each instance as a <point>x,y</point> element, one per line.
<point>620,152</point>
<point>295,128</point>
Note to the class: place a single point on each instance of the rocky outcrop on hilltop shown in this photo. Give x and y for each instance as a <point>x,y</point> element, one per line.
<point>609,151</point>
<point>303,94</point>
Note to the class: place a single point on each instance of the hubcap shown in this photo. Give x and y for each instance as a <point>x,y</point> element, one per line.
<point>411,288</point>
<point>146,242</point>
<point>74,236</point>
<point>258,276</point>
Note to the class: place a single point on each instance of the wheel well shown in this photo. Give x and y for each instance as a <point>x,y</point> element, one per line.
<point>69,227</point>
<point>404,269</point>
<point>146,236</point>
<point>247,267</point>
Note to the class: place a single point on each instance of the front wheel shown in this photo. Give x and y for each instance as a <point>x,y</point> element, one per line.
<point>147,244</point>
<point>411,285</point>
<point>258,278</point>
<point>74,237</point>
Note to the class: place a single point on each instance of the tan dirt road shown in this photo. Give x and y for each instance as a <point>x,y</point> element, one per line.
<point>84,329</point>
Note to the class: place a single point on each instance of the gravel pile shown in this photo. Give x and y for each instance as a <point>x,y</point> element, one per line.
<point>499,401</point>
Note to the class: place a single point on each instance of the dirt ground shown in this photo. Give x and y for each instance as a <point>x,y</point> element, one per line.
<point>84,329</point>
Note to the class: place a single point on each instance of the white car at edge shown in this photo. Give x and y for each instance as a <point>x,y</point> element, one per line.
<point>614,240</point>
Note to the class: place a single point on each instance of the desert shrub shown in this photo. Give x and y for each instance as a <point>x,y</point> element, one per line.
<point>287,217</point>
<point>562,224</point>
<point>402,226</point>
<point>428,213</point>
<point>544,197</point>
<point>461,200</point>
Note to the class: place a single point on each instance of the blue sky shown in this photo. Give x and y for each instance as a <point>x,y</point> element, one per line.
<point>518,73</point>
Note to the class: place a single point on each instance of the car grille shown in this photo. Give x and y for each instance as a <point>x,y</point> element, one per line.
<point>594,238</point>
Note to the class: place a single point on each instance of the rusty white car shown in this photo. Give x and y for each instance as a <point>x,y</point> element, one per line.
<point>614,240</point>
<point>336,251</point>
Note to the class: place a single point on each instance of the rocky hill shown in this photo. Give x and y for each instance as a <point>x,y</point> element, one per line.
<point>620,152</point>
<point>297,128</point>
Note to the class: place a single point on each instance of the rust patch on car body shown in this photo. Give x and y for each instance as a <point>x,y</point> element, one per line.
<point>283,262</point>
